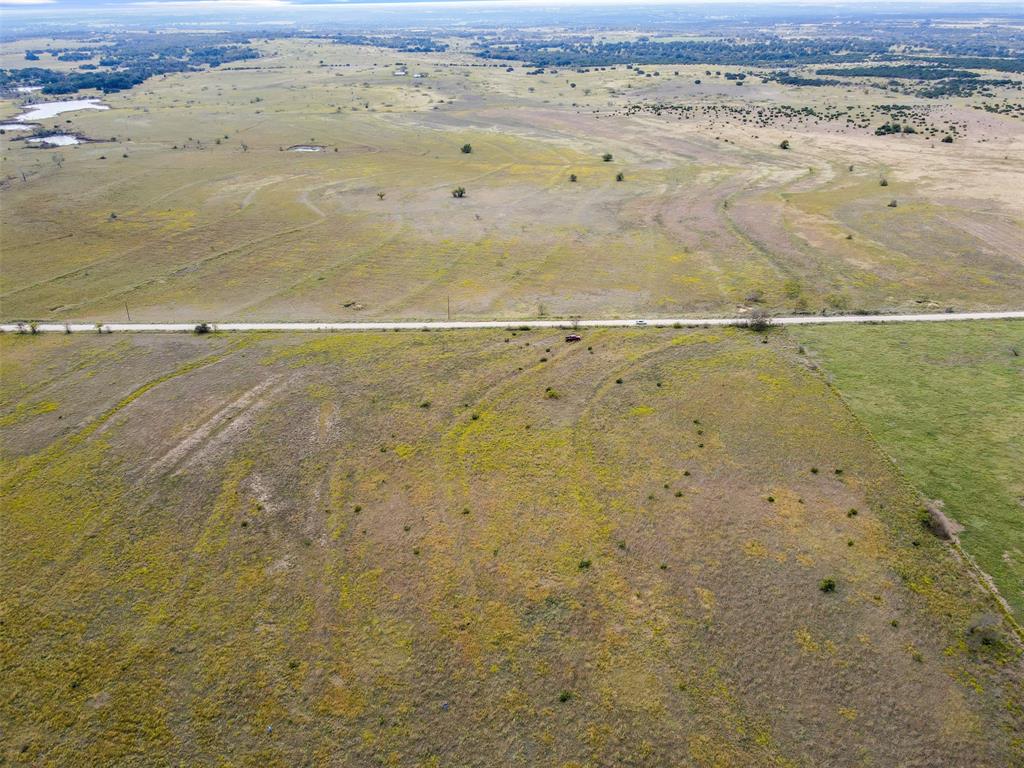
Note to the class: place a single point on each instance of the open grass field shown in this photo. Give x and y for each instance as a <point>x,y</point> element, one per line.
<point>192,208</point>
<point>422,549</point>
<point>948,405</point>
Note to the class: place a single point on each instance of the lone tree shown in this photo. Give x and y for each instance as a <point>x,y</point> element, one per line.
<point>467,148</point>
<point>620,176</point>
<point>572,177</point>
<point>459,192</point>
<point>607,157</point>
<point>380,195</point>
<point>784,144</point>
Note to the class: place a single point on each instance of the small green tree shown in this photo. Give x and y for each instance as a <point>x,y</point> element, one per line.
<point>459,192</point>
<point>572,177</point>
<point>607,157</point>
<point>620,176</point>
<point>467,149</point>
<point>784,144</point>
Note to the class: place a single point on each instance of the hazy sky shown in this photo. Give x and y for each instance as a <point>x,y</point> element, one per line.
<point>275,11</point>
<point>328,3</point>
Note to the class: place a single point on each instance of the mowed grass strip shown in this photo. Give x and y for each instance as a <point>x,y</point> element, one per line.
<point>947,403</point>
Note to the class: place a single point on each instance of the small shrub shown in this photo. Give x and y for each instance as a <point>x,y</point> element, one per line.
<point>467,149</point>
<point>883,182</point>
<point>572,177</point>
<point>759,321</point>
<point>203,328</point>
<point>827,585</point>
<point>893,204</point>
<point>618,381</point>
<point>459,192</point>
<point>983,630</point>
<point>565,696</point>
<point>620,176</point>
<point>814,470</point>
<point>947,139</point>
<point>607,157</point>
<point>784,144</point>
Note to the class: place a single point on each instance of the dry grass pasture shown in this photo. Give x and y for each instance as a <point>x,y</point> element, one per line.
<point>422,549</point>
<point>192,208</point>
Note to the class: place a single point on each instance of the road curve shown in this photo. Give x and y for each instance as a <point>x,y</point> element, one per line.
<point>441,325</point>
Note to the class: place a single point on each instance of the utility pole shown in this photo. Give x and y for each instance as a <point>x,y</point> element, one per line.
<point>127,312</point>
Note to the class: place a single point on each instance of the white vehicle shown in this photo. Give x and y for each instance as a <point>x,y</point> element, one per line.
<point>641,322</point>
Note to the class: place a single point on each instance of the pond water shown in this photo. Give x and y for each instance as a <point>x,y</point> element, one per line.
<point>305,148</point>
<point>47,109</point>
<point>55,140</point>
<point>14,127</point>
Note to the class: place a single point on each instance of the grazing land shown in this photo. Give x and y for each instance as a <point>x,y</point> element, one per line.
<point>194,202</point>
<point>649,546</point>
<point>469,548</point>
<point>948,405</point>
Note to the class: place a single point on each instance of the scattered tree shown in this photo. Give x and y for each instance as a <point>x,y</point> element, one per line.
<point>784,144</point>
<point>467,149</point>
<point>572,177</point>
<point>607,157</point>
<point>459,192</point>
<point>620,176</point>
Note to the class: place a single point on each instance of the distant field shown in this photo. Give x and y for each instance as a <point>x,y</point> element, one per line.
<point>191,208</point>
<point>482,548</point>
<point>948,405</point>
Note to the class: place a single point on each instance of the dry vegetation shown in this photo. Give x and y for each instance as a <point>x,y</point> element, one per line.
<point>473,549</point>
<point>215,219</point>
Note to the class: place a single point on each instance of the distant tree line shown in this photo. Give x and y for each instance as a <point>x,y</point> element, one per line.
<point>900,71</point>
<point>131,60</point>
<point>401,43</point>
<point>581,53</point>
